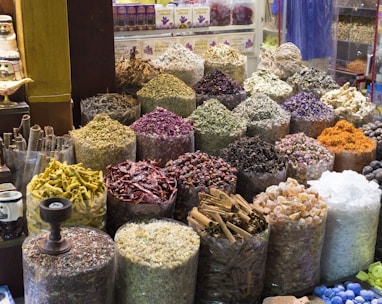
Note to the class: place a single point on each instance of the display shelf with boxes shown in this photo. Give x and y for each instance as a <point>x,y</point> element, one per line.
<point>220,26</point>
<point>355,31</point>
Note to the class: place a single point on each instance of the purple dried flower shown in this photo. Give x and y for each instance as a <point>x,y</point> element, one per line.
<point>163,123</point>
<point>307,106</point>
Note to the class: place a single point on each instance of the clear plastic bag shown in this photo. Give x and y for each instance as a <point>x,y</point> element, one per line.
<point>90,213</point>
<point>84,273</point>
<point>231,273</point>
<point>293,260</point>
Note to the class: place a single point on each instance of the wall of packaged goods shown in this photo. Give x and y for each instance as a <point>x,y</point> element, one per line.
<point>150,28</point>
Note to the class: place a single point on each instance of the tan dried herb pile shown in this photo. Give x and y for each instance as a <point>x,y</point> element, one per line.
<point>157,262</point>
<point>102,142</point>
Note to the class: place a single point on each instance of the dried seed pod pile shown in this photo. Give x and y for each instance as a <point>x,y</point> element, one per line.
<point>121,107</point>
<point>258,162</point>
<point>227,59</point>
<point>196,172</point>
<point>182,63</point>
<point>215,127</point>
<point>350,104</point>
<point>157,262</point>
<point>138,190</point>
<point>133,73</point>
<point>373,130</point>
<point>103,142</point>
<point>85,272</point>
<point>269,84</point>
<point>306,158</point>
<point>85,188</point>
<point>233,250</point>
<point>284,61</point>
<point>218,85</point>
<point>163,135</point>
<point>312,80</point>
<point>309,114</point>
<point>264,117</point>
<point>297,217</point>
<point>169,92</point>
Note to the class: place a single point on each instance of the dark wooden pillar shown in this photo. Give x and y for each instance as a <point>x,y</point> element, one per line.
<point>91,38</point>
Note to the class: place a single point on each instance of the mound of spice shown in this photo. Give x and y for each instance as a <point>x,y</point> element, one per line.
<point>138,190</point>
<point>297,219</point>
<point>196,172</point>
<point>169,92</point>
<point>215,127</point>
<point>234,240</point>
<point>309,114</point>
<point>373,130</point>
<point>351,226</point>
<point>157,262</point>
<point>266,82</point>
<point>264,117</point>
<point>218,85</point>
<point>133,73</point>
<point>182,63</point>
<point>258,163</point>
<point>103,142</point>
<point>350,104</point>
<point>227,59</point>
<point>163,135</point>
<point>84,187</point>
<point>306,157</point>
<point>353,149</point>
<point>121,107</point>
<point>85,272</point>
<point>312,80</point>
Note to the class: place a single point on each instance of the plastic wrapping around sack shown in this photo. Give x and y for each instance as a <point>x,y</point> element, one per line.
<point>25,164</point>
<point>293,261</point>
<point>231,273</point>
<point>84,274</point>
<point>310,27</point>
<point>157,262</point>
<point>352,222</point>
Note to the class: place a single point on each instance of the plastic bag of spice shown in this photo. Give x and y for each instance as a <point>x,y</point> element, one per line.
<point>83,187</point>
<point>297,220</point>
<point>234,241</point>
<point>182,63</point>
<point>84,273</point>
<point>102,142</point>
<point>121,107</point>
<point>163,135</point>
<point>353,149</point>
<point>227,59</point>
<point>215,127</point>
<point>157,262</point>
<point>307,158</point>
<point>264,117</point>
<point>196,172</point>
<point>138,190</point>
<point>231,273</point>
<point>169,92</point>
<point>351,227</point>
<point>220,12</point>
<point>258,162</point>
<point>218,85</point>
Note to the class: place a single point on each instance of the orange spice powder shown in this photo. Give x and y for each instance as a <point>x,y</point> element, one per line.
<point>344,136</point>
